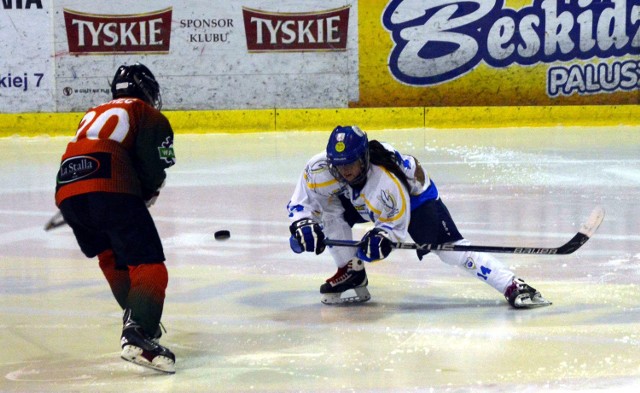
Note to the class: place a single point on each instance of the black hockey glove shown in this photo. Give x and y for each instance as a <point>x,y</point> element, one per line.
<point>376,245</point>
<point>150,197</point>
<point>306,235</point>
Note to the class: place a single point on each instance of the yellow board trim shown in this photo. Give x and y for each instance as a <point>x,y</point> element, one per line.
<point>270,120</point>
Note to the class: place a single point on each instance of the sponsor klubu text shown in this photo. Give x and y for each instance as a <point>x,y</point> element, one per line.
<point>100,34</point>
<point>310,31</point>
<point>441,40</point>
<point>203,24</point>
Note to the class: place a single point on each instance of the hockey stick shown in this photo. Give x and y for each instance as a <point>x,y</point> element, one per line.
<point>54,222</point>
<point>57,220</point>
<point>586,231</point>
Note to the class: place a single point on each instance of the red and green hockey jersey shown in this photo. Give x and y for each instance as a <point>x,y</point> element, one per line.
<point>121,146</point>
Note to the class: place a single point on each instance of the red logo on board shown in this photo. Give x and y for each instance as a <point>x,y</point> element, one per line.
<point>298,32</point>
<point>109,34</point>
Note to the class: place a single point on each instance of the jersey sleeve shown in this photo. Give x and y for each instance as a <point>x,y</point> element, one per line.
<point>153,151</point>
<point>421,187</point>
<point>316,192</point>
<point>316,196</point>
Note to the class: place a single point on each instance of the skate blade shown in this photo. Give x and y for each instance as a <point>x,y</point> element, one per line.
<point>361,295</point>
<point>160,363</point>
<point>531,302</point>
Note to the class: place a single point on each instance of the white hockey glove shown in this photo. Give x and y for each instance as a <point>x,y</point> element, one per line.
<point>306,235</point>
<point>376,245</point>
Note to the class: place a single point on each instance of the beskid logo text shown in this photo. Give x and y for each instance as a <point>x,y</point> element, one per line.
<point>441,40</point>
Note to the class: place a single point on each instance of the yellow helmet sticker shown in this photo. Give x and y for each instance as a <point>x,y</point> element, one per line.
<point>340,147</point>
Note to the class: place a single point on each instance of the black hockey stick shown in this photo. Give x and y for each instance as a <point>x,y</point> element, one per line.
<point>54,222</point>
<point>586,231</point>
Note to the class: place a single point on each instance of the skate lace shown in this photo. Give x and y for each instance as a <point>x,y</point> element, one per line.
<point>514,287</point>
<point>518,287</point>
<point>340,276</point>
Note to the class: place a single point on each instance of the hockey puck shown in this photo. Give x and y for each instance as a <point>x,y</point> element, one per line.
<point>222,235</point>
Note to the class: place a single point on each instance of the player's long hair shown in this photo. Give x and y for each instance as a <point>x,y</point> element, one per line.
<point>380,156</point>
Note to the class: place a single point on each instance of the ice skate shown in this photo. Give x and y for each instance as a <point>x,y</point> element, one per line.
<point>348,279</point>
<point>520,295</point>
<point>141,349</point>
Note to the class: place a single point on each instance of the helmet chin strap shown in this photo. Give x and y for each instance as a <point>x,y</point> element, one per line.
<point>157,102</point>
<point>358,182</point>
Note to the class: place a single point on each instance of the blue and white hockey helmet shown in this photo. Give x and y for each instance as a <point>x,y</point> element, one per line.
<point>347,145</point>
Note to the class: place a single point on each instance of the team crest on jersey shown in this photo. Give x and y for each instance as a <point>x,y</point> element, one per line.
<point>317,167</point>
<point>166,151</point>
<point>470,263</point>
<point>389,202</point>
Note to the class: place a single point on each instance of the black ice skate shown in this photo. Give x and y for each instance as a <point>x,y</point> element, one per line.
<point>141,349</point>
<point>350,277</point>
<point>520,295</point>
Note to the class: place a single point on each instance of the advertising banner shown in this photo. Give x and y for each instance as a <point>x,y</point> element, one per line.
<point>60,56</point>
<point>499,52</point>
<point>249,54</point>
<point>26,57</point>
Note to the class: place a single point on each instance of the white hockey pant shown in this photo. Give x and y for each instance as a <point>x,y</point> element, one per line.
<point>483,266</point>
<point>339,229</point>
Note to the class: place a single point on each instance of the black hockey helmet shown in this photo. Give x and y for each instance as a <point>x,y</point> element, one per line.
<point>136,80</point>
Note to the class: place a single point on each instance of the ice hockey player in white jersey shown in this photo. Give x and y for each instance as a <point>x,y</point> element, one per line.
<point>355,181</point>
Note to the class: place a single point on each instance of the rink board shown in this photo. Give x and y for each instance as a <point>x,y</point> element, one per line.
<point>268,120</point>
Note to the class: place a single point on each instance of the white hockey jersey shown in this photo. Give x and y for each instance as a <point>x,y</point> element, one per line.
<point>383,200</point>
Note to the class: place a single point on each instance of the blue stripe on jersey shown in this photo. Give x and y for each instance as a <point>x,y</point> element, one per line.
<point>429,194</point>
<point>294,208</point>
<point>405,163</point>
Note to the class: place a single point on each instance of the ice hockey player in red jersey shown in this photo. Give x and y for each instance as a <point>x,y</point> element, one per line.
<point>356,181</point>
<point>110,174</point>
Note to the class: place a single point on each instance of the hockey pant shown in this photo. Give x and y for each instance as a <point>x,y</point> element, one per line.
<point>431,223</point>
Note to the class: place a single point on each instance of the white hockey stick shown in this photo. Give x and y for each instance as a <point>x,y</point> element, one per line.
<point>55,222</point>
<point>586,232</point>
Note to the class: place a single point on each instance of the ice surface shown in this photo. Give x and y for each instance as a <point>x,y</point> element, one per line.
<point>245,315</point>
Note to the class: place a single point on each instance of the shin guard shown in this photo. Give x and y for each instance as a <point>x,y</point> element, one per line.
<point>117,278</point>
<point>147,293</point>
